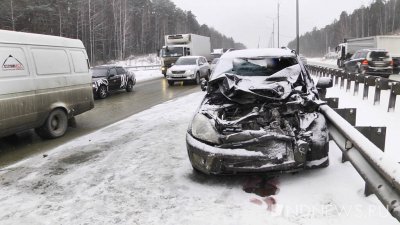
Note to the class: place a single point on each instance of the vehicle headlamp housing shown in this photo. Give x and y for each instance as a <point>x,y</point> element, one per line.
<point>204,129</point>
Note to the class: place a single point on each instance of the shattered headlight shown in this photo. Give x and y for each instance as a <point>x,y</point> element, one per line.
<point>204,129</point>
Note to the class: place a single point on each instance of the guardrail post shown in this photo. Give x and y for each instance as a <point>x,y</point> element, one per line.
<point>332,102</point>
<point>350,77</point>
<point>369,81</point>
<point>342,78</point>
<point>380,84</point>
<point>377,135</point>
<point>350,115</point>
<point>360,78</point>
<point>336,74</point>
<point>394,91</point>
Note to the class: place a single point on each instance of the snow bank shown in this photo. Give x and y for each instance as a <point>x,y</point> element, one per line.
<point>137,172</point>
<point>142,60</point>
<point>323,62</point>
<point>145,75</point>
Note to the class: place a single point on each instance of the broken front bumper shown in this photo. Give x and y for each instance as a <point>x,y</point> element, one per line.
<point>213,160</point>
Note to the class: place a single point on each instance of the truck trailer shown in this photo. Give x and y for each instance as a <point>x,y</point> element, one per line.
<point>391,43</point>
<point>178,45</point>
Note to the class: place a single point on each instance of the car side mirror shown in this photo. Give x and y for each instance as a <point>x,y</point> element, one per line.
<point>203,84</point>
<point>324,83</point>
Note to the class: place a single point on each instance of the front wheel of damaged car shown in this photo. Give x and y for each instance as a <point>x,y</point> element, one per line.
<point>318,156</point>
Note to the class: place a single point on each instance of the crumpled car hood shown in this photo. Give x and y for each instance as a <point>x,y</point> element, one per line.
<point>247,89</point>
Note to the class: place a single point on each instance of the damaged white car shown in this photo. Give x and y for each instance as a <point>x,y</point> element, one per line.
<point>260,114</point>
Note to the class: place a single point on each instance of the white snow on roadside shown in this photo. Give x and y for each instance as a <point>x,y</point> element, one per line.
<point>137,172</point>
<point>323,62</point>
<point>141,60</point>
<point>145,75</point>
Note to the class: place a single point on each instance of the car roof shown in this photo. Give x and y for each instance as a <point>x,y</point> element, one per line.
<point>267,52</point>
<point>106,67</point>
<point>13,37</point>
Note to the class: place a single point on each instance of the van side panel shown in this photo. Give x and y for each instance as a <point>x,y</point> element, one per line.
<point>41,79</point>
<point>17,90</point>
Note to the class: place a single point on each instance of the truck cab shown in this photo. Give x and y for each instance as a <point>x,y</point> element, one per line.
<point>179,45</point>
<point>342,54</point>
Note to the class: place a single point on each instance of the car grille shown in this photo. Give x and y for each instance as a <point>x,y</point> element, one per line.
<point>178,72</point>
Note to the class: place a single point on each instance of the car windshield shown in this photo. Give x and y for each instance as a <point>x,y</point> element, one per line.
<point>186,61</point>
<point>172,52</point>
<point>257,66</point>
<point>99,72</point>
<point>379,55</point>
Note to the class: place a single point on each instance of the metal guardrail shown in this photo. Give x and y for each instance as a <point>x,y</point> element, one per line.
<point>382,175</point>
<point>149,67</point>
<point>367,80</point>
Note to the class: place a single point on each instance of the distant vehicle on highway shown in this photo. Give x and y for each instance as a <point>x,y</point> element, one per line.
<point>178,45</point>
<point>106,79</point>
<point>390,43</point>
<point>371,61</point>
<point>44,83</point>
<point>189,69</point>
<point>213,64</point>
<point>260,114</point>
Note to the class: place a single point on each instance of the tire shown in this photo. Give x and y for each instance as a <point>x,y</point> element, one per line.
<point>171,83</point>
<point>102,92</point>
<point>197,80</point>
<point>129,86</point>
<point>55,125</point>
<point>319,143</point>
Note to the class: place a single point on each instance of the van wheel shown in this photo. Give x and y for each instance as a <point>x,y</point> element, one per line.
<point>129,86</point>
<point>55,125</point>
<point>102,92</point>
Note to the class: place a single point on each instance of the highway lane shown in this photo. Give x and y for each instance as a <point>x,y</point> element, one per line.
<point>116,107</point>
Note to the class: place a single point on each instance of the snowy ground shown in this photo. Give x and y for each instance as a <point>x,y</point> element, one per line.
<point>145,75</point>
<point>137,172</point>
<point>142,60</point>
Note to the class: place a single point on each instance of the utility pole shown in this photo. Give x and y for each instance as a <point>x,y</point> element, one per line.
<point>297,27</point>
<point>278,25</point>
<point>273,33</point>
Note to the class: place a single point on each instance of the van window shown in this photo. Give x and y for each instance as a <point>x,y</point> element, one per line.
<point>50,61</point>
<point>13,62</point>
<point>79,61</point>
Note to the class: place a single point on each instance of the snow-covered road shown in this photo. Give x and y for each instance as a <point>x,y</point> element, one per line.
<point>137,172</point>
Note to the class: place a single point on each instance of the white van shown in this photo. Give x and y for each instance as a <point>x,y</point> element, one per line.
<point>44,82</point>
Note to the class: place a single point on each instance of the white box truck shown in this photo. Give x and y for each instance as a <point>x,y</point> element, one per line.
<point>390,43</point>
<point>44,82</point>
<point>178,45</point>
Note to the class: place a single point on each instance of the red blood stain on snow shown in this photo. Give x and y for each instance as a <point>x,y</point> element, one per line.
<point>262,187</point>
<point>271,202</point>
<point>256,201</point>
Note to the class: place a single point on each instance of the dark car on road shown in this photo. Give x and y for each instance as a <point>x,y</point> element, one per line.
<point>111,78</point>
<point>375,62</point>
<point>260,114</point>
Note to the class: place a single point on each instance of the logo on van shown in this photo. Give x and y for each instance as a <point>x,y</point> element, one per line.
<point>12,63</point>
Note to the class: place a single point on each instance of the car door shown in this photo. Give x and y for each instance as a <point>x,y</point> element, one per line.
<point>113,79</point>
<point>203,66</point>
<point>122,76</point>
<point>352,63</point>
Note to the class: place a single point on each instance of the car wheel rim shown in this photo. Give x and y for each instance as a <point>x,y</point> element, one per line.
<point>55,123</point>
<point>103,92</point>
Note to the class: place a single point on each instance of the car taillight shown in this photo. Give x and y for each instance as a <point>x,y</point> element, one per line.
<point>365,62</point>
<point>391,62</point>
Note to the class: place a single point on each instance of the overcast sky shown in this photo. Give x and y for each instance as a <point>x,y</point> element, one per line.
<point>249,21</point>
